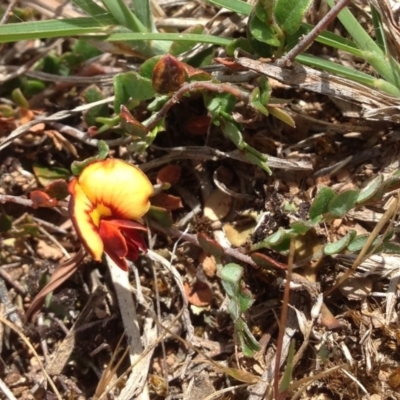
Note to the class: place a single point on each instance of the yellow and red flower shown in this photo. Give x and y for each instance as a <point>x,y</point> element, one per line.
<point>108,200</point>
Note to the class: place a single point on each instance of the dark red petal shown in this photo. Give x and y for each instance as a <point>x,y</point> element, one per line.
<point>114,243</point>
<point>135,242</point>
<point>125,224</point>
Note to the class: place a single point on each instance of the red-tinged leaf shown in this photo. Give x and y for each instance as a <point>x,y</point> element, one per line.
<point>267,262</point>
<point>60,275</point>
<point>168,75</point>
<point>328,319</point>
<point>199,294</point>
<point>229,63</point>
<point>169,174</point>
<point>42,199</point>
<point>167,201</point>
<point>131,125</point>
<point>57,189</point>
<point>195,74</point>
<point>93,69</point>
<point>198,126</point>
<point>210,246</point>
<point>92,131</point>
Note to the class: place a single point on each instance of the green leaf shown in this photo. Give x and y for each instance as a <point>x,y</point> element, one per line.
<point>349,73</point>
<point>391,248</point>
<point>256,103</point>
<point>218,104</point>
<point>231,275</point>
<point>340,245</point>
<point>143,11</point>
<point>262,32</point>
<point>232,131</point>
<point>19,98</point>
<point>146,69</point>
<point>124,15</point>
<point>239,43</point>
<point>290,14</point>
<point>237,6</point>
<point>161,216</point>
<point>245,299</point>
<point>84,50</point>
<point>90,7</point>
<point>370,190</point>
<point>343,202</point>
<point>301,227</point>
<point>321,202</point>
<point>257,158</point>
<point>383,63</point>
<point>78,166</point>
<point>138,36</point>
<point>282,115</point>
<point>279,236</point>
<point>392,183</point>
<point>247,341</point>
<point>359,242</point>
<point>92,94</point>
<point>288,373</point>
<point>240,301</point>
<point>47,175</point>
<point>55,28</point>
<point>131,85</point>
<point>5,223</point>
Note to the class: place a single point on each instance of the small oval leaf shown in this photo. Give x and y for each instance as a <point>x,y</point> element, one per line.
<point>370,190</point>
<point>343,202</point>
<point>321,202</point>
<point>340,245</point>
<point>210,246</point>
<point>168,75</point>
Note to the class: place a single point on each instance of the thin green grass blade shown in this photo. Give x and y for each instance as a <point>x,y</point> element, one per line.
<point>335,41</point>
<point>379,30</point>
<point>56,28</point>
<point>129,36</point>
<point>236,6</point>
<point>372,53</point>
<point>124,15</point>
<point>90,7</point>
<point>143,12</point>
<point>348,73</point>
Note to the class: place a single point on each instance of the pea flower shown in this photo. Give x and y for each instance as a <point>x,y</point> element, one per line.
<point>108,200</point>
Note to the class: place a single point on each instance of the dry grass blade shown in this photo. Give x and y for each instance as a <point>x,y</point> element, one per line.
<point>32,349</point>
<point>104,386</point>
<point>136,383</point>
<point>307,78</point>
<point>389,214</point>
<point>6,391</point>
<point>60,275</point>
<point>302,384</point>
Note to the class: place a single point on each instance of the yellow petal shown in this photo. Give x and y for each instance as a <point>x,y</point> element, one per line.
<point>83,215</point>
<point>121,187</point>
